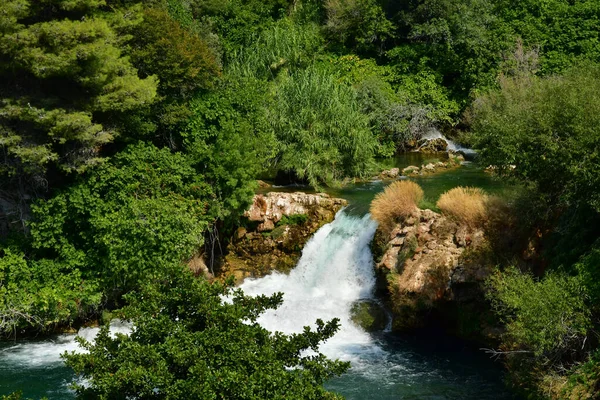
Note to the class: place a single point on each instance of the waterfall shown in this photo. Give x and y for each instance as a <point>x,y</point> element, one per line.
<point>335,270</point>
<point>435,134</point>
<point>43,354</point>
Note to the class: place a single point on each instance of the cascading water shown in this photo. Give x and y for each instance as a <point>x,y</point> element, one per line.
<point>336,269</point>
<point>435,134</point>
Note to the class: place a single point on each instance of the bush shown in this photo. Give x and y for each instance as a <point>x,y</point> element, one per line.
<point>547,323</point>
<point>189,343</point>
<point>397,201</point>
<point>323,136</point>
<point>466,205</point>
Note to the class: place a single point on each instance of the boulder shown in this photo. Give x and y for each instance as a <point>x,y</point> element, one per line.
<point>369,315</point>
<point>410,170</point>
<point>390,174</point>
<point>424,268</point>
<point>437,145</point>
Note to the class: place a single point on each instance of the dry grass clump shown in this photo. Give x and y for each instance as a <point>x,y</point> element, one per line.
<point>396,202</point>
<point>466,205</point>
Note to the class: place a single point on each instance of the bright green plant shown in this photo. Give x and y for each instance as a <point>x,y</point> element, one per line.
<point>322,134</point>
<point>284,46</point>
<point>127,220</point>
<point>42,294</point>
<point>543,131</point>
<point>544,319</point>
<point>187,342</point>
<point>230,141</point>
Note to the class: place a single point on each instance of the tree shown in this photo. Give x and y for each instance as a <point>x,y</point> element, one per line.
<point>544,131</point>
<point>461,40</point>
<point>187,342</point>
<point>66,79</point>
<point>230,142</point>
<point>359,24</point>
<point>126,220</point>
<point>547,323</point>
<point>183,62</point>
<point>66,90</point>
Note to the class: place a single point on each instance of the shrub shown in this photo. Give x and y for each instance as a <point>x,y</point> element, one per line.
<point>397,201</point>
<point>464,204</point>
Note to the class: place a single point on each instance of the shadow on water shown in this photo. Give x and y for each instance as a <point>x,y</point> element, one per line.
<point>425,366</point>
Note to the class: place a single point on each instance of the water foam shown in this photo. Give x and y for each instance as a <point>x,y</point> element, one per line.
<point>435,134</point>
<point>335,270</point>
<point>29,354</point>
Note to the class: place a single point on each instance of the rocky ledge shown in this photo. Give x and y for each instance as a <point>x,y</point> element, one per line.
<point>276,227</point>
<point>431,273</point>
<point>454,160</point>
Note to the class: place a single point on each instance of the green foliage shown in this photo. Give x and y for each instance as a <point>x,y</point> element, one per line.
<point>230,140</point>
<point>566,32</point>
<point>41,294</point>
<point>545,320</point>
<point>460,40</point>
<point>322,134</point>
<point>294,219</point>
<point>181,59</point>
<point>283,46</point>
<point>589,271</point>
<point>127,220</point>
<point>544,131</point>
<point>67,81</point>
<point>584,379</point>
<point>189,343</point>
<point>401,107</point>
<point>359,24</point>
<point>237,22</point>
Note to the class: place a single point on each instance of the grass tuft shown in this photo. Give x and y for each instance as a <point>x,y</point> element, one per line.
<point>466,205</point>
<point>397,202</point>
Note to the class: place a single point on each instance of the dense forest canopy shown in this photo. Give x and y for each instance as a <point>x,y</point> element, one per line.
<point>132,134</point>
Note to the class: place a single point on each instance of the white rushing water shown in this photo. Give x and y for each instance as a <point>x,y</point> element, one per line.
<point>47,353</point>
<point>435,134</point>
<point>335,270</point>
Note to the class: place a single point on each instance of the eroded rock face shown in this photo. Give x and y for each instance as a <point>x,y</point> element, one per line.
<point>426,265</point>
<point>436,145</point>
<point>277,227</point>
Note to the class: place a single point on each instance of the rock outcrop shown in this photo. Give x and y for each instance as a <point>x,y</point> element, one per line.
<point>454,160</point>
<point>430,265</point>
<point>277,227</point>
<point>437,145</point>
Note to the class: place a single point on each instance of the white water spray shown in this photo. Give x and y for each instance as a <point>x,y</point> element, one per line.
<point>47,353</point>
<point>336,269</point>
<point>435,134</point>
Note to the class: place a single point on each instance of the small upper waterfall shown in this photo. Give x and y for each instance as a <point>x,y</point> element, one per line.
<point>435,134</point>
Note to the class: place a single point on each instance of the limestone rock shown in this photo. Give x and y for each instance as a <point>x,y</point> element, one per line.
<point>410,170</point>
<point>277,226</point>
<point>437,145</point>
<point>422,260</point>
<point>390,174</point>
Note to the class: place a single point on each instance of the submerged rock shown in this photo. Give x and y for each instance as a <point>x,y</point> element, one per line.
<point>369,315</point>
<point>276,227</point>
